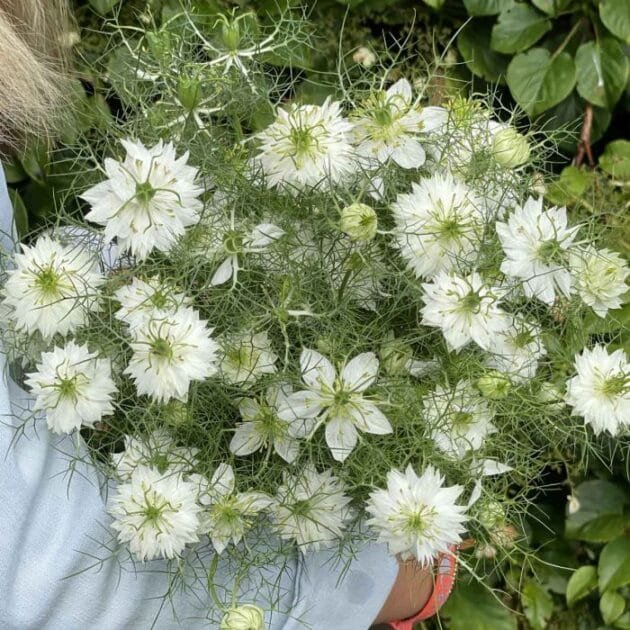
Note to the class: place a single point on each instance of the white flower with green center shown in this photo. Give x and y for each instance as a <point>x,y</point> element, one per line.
<point>148,200</point>
<point>236,243</point>
<point>311,508</point>
<point>143,300</point>
<point>466,310</point>
<point>53,288</point>
<point>156,450</point>
<point>599,277</point>
<point>262,428</point>
<point>169,352</point>
<point>156,515</point>
<point>228,514</point>
<point>459,419</point>
<point>388,127</point>
<point>439,225</point>
<point>516,350</point>
<point>73,387</point>
<point>246,357</point>
<point>537,243</point>
<point>307,146</point>
<point>600,391</point>
<point>417,516</point>
<point>336,400</point>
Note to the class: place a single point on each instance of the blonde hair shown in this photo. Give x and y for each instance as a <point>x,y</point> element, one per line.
<point>33,78</point>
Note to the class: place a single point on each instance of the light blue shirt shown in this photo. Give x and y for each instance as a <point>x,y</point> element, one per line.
<point>57,564</point>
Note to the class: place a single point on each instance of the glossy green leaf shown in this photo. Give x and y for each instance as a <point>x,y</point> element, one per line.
<point>602,71</point>
<point>551,7</point>
<point>614,565</point>
<point>570,186</point>
<point>623,622</point>
<point>537,604</point>
<point>582,582</point>
<point>435,4</point>
<point>487,7</point>
<point>103,6</point>
<point>473,607</point>
<point>611,605</point>
<point>615,15</point>
<point>518,28</point>
<point>616,159</point>
<point>473,43</point>
<point>539,81</point>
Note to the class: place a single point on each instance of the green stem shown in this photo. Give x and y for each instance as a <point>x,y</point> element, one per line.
<point>567,39</point>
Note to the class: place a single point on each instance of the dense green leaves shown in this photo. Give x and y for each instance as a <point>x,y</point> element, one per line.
<point>537,604</point>
<point>611,605</point>
<point>103,6</point>
<point>539,80</point>
<point>602,71</point>
<point>518,28</point>
<point>473,607</point>
<point>582,582</point>
<point>487,7</point>
<point>474,45</point>
<point>616,159</point>
<point>614,564</point>
<point>615,14</point>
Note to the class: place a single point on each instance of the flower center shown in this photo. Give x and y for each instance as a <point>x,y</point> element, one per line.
<point>461,421</point>
<point>145,192</point>
<point>48,281</point>
<point>67,387</point>
<point>615,385</point>
<point>159,461</point>
<point>301,507</point>
<point>522,339</point>
<point>550,252</point>
<point>303,141</point>
<point>233,242</point>
<point>449,229</point>
<point>470,303</point>
<point>162,348</point>
<point>159,299</point>
<point>154,509</point>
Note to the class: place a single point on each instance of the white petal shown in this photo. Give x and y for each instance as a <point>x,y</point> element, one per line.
<point>409,154</point>
<point>303,404</point>
<point>341,437</point>
<point>223,480</point>
<point>317,370</point>
<point>287,447</point>
<point>475,494</point>
<point>360,372</point>
<point>224,272</point>
<point>401,88</point>
<point>246,439</point>
<point>433,118</point>
<point>263,235</point>
<point>493,467</point>
<point>369,418</point>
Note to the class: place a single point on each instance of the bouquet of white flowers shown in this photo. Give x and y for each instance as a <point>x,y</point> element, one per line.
<point>361,316</point>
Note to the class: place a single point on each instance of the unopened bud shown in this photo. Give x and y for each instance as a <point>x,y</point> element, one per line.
<point>176,413</point>
<point>395,356</point>
<point>359,222</point>
<point>510,148</point>
<point>573,504</point>
<point>189,92</point>
<point>491,514</point>
<point>486,552</point>
<point>231,34</point>
<point>494,385</point>
<point>246,617</point>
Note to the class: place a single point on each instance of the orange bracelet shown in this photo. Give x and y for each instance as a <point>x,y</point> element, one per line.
<point>444,582</point>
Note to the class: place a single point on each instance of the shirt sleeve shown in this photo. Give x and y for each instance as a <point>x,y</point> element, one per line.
<point>61,569</point>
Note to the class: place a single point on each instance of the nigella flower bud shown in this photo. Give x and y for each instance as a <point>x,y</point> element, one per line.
<point>494,385</point>
<point>246,617</point>
<point>189,92</point>
<point>510,148</point>
<point>491,514</point>
<point>359,222</point>
<point>364,56</point>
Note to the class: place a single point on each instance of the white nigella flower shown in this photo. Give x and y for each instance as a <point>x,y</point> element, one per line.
<point>388,126</point>
<point>307,146</point>
<point>261,426</point>
<point>599,277</point>
<point>156,450</point>
<point>465,309</point>
<point>155,514</point>
<point>228,514</point>
<point>148,200</point>
<point>600,391</point>
<point>459,419</point>
<point>517,349</point>
<point>336,400</point>
<point>417,516</point>
<point>536,243</point>
<point>73,387</point>
<point>52,288</point>
<point>169,352</point>
<point>247,357</point>
<point>311,508</point>
<point>439,225</point>
<point>235,243</point>
<point>143,300</point>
